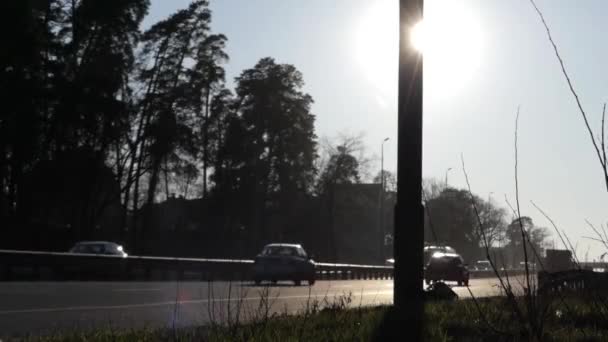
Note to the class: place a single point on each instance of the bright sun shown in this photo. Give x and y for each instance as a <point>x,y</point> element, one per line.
<point>450,39</point>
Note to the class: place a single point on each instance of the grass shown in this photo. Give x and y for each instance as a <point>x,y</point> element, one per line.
<point>445,321</point>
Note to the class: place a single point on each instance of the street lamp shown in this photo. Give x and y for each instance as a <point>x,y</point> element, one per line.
<point>381,204</point>
<point>446,176</point>
<point>382,162</point>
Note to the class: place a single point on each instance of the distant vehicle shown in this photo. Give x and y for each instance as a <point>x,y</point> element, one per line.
<point>99,247</point>
<point>432,249</point>
<point>531,266</point>
<point>282,261</point>
<point>482,265</point>
<point>446,267</point>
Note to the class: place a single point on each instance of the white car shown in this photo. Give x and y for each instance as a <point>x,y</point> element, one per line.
<point>282,261</point>
<point>99,247</point>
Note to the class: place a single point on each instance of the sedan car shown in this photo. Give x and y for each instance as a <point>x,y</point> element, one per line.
<point>432,249</point>
<point>281,261</point>
<point>99,247</point>
<point>446,267</point>
<point>482,265</point>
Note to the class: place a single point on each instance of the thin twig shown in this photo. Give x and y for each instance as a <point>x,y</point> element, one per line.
<point>603,134</point>
<point>552,223</point>
<point>506,286</point>
<point>521,226</point>
<point>483,317</point>
<point>604,231</point>
<point>574,93</point>
<point>597,232</point>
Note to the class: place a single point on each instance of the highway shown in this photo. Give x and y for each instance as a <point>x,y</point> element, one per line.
<point>48,307</point>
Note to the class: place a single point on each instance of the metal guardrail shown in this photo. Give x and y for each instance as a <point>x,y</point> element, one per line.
<point>35,265</point>
<point>580,280</point>
<point>18,265</point>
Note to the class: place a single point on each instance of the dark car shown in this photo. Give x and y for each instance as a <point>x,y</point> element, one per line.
<point>281,261</point>
<point>446,267</point>
<point>98,247</point>
<point>482,265</point>
<point>432,249</point>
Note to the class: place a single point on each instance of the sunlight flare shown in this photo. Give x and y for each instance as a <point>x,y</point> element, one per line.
<point>450,38</point>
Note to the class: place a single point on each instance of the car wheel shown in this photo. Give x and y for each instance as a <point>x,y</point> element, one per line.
<point>311,282</point>
<point>466,282</point>
<point>297,282</point>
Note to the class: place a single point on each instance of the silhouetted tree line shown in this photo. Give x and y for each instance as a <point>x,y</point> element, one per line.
<point>451,219</point>
<point>100,119</point>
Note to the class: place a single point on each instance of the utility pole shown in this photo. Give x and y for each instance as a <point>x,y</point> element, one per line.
<point>409,213</point>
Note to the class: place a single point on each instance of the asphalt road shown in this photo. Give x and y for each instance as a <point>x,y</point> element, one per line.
<point>49,307</point>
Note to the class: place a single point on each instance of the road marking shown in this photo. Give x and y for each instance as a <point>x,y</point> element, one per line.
<point>136,290</point>
<point>171,303</point>
<point>23,292</point>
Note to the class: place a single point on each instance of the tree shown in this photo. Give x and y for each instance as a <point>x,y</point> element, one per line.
<point>451,219</point>
<point>271,143</point>
<point>222,113</point>
<point>432,188</point>
<point>342,168</point>
<point>390,180</point>
<point>535,239</point>
<point>343,161</point>
<point>66,81</point>
<point>207,78</point>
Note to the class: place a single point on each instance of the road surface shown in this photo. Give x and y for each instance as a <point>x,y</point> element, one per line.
<point>48,307</point>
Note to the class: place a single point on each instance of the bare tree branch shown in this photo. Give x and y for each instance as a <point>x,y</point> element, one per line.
<point>600,155</point>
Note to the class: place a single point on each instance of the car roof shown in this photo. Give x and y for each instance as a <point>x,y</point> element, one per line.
<point>445,255</point>
<point>294,245</point>
<point>433,247</point>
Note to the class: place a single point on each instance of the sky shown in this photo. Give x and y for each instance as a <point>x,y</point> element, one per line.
<point>484,59</point>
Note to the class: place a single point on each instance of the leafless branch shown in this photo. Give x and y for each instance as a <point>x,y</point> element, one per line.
<point>504,285</point>
<point>561,237</point>
<point>597,232</point>
<point>521,226</point>
<point>600,155</point>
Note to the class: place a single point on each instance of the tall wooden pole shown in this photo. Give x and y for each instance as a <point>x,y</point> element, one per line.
<point>409,213</point>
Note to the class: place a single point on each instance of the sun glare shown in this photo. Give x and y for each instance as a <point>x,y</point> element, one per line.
<point>449,37</point>
<point>417,36</point>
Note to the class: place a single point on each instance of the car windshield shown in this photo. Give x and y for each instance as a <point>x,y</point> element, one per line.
<point>90,248</point>
<point>282,251</point>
